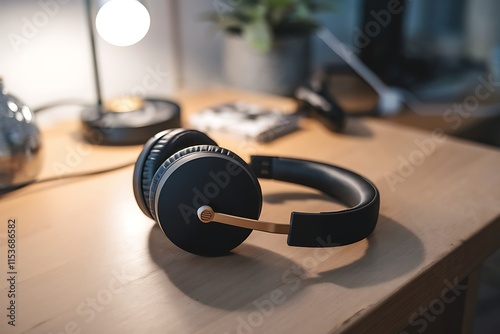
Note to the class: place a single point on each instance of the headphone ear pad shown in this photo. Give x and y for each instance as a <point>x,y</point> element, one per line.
<point>204,175</point>
<point>155,152</point>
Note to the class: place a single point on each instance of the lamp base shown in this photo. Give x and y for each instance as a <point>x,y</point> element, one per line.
<point>131,127</point>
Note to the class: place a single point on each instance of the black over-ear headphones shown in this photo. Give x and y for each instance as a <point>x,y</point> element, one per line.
<point>207,200</point>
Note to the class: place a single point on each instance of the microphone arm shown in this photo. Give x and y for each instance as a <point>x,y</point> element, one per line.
<point>206,214</point>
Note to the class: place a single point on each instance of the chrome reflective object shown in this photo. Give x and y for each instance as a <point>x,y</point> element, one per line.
<point>20,143</point>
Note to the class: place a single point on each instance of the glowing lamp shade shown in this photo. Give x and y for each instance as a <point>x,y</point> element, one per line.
<point>123,22</point>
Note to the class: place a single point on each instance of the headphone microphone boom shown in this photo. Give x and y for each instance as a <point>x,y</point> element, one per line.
<point>207,200</point>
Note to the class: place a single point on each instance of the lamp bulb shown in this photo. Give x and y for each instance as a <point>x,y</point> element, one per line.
<point>123,22</point>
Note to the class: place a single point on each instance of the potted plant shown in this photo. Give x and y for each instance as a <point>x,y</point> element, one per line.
<point>267,42</point>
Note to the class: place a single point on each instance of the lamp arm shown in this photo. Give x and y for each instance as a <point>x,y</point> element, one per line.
<point>90,22</point>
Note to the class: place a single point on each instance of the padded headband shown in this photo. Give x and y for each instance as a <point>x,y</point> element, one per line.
<point>325,229</point>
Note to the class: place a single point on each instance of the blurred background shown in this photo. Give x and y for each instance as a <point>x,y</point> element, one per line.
<point>45,53</point>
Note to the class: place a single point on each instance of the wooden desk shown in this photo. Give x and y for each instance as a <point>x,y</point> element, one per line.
<point>89,261</point>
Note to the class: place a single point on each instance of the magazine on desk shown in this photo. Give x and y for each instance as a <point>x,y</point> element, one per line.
<point>245,120</point>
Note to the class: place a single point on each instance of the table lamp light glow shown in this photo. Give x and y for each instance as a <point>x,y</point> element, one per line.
<point>126,120</point>
<point>123,22</point>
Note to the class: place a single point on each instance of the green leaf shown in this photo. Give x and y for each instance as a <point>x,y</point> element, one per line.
<point>258,34</point>
<point>230,22</point>
<point>302,12</point>
<point>279,3</point>
<point>260,20</point>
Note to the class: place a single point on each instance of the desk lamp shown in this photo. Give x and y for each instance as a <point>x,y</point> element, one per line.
<point>126,120</point>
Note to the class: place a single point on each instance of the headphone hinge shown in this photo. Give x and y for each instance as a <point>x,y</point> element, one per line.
<point>262,166</point>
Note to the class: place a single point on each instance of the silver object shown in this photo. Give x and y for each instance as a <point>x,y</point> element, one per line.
<point>20,143</point>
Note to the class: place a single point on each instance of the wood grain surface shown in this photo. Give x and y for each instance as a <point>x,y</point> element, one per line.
<point>89,261</point>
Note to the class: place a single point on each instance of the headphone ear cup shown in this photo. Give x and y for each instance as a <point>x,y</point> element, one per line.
<point>204,175</point>
<point>155,152</point>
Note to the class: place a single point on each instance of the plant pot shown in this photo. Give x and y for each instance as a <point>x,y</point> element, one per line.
<point>278,71</point>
